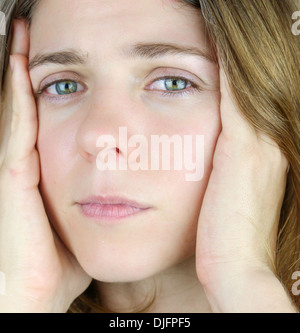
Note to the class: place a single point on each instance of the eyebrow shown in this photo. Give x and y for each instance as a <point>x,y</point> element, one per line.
<point>140,50</point>
<point>157,50</point>
<point>66,57</point>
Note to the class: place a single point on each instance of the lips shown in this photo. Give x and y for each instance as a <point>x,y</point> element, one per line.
<point>110,208</point>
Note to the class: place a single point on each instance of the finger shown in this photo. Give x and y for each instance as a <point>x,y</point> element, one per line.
<point>18,45</point>
<point>20,41</point>
<point>238,129</point>
<point>23,134</point>
<point>234,123</point>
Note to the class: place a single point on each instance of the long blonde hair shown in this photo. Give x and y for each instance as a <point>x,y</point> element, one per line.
<point>260,55</point>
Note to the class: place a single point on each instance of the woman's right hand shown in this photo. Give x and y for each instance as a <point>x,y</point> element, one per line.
<point>41,274</point>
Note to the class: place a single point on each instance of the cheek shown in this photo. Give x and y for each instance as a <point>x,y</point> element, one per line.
<point>204,130</point>
<point>55,150</point>
<point>184,190</point>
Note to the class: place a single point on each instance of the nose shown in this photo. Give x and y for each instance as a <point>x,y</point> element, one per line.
<point>104,119</point>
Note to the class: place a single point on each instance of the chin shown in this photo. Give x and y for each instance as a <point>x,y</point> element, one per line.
<point>122,269</point>
<point>119,274</point>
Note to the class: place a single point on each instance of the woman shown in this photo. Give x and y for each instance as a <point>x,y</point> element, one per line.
<point>226,242</point>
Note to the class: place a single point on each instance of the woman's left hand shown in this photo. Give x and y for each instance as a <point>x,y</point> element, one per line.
<point>238,221</point>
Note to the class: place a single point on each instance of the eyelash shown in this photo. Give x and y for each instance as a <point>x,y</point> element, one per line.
<point>181,93</point>
<point>55,97</point>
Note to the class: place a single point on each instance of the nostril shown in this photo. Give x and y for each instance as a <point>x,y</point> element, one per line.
<point>117,150</point>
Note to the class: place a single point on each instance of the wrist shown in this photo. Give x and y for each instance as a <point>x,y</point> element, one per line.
<point>249,291</point>
<point>29,306</point>
<point>15,303</point>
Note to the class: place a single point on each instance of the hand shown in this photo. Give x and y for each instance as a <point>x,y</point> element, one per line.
<point>240,212</point>
<point>41,274</point>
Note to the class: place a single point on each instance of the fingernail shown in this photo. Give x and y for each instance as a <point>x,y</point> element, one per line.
<point>11,62</point>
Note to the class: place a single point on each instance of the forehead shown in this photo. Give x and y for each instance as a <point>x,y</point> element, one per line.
<point>103,23</point>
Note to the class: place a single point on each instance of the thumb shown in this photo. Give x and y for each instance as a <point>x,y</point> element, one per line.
<point>21,155</point>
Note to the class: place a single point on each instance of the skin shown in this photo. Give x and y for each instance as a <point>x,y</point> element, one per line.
<point>201,215</point>
<point>164,236</point>
<point>119,94</point>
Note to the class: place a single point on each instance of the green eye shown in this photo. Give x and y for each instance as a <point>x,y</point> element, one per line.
<point>66,87</point>
<point>176,84</point>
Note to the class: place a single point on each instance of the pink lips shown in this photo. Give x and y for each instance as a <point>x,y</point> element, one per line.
<point>110,208</point>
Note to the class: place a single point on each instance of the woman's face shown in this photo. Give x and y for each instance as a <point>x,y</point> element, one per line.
<point>145,67</point>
